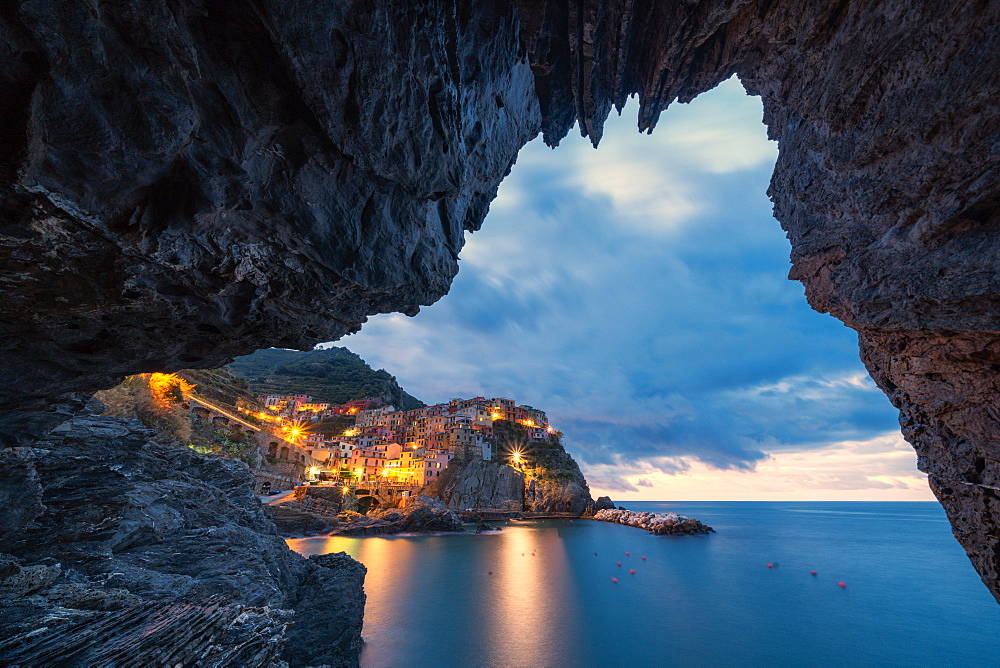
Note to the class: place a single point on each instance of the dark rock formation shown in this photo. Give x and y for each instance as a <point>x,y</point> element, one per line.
<point>126,548</point>
<point>554,483</point>
<point>293,521</point>
<point>563,494</point>
<point>185,182</point>
<point>421,515</point>
<point>604,503</point>
<point>477,484</point>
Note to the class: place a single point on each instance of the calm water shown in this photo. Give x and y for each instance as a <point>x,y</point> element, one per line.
<point>912,598</point>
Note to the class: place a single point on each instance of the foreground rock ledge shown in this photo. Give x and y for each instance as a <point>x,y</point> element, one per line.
<point>182,182</point>
<point>124,549</point>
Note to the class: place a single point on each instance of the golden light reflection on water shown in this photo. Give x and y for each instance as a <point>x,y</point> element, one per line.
<point>389,562</point>
<point>531,566</point>
<point>513,592</point>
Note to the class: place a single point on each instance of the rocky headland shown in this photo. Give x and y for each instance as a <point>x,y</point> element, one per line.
<point>658,523</point>
<point>122,551</point>
<point>557,486</point>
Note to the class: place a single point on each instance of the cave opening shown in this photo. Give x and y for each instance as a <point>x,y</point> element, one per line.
<point>639,292</point>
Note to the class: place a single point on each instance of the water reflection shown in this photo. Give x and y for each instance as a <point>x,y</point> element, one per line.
<point>526,594</point>
<point>468,600</point>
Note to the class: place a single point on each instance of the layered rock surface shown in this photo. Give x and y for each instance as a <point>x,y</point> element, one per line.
<point>477,485</point>
<point>126,549</point>
<point>421,515</point>
<point>184,182</point>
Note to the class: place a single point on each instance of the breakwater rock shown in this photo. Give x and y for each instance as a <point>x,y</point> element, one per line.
<point>658,523</point>
<point>122,548</point>
<point>421,515</point>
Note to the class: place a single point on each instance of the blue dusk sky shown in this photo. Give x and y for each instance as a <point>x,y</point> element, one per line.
<point>638,293</point>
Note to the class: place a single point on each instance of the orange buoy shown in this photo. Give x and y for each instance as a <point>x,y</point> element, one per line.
<point>631,571</point>
<point>770,565</point>
<point>614,579</point>
<point>841,585</point>
<point>628,554</point>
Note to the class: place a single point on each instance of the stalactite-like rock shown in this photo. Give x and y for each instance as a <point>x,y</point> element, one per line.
<point>181,182</point>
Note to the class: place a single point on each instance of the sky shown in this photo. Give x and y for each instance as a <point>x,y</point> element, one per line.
<point>638,294</point>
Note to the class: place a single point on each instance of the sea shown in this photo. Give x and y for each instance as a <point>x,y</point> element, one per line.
<point>542,593</point>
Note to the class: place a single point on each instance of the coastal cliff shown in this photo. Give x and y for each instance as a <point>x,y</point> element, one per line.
<point>557,485</point>
<point>185,182</point>
<point>125,547</point>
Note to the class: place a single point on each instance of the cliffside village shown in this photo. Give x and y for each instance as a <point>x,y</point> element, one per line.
<point>384,446</point>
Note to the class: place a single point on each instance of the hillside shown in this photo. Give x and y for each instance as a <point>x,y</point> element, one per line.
<point>334,375</point>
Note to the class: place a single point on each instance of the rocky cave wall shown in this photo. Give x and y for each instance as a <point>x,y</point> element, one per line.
<point>182,181</point>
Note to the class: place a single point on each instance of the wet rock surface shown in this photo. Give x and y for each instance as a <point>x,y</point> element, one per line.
<point>422,514</point>
<point>184,183</point>
<point>154,553</point>
<point>294,521</point>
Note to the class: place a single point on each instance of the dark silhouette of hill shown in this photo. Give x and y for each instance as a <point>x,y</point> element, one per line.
<point>334,375</point>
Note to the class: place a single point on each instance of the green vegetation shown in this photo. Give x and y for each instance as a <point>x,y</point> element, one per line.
<point>165,414</point>
<point>333,375</point>
<point>544,459</point>
<point>208,438</point>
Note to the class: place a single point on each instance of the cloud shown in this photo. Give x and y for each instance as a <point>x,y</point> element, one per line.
<point>637,293</point>
<point>879,468</point>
